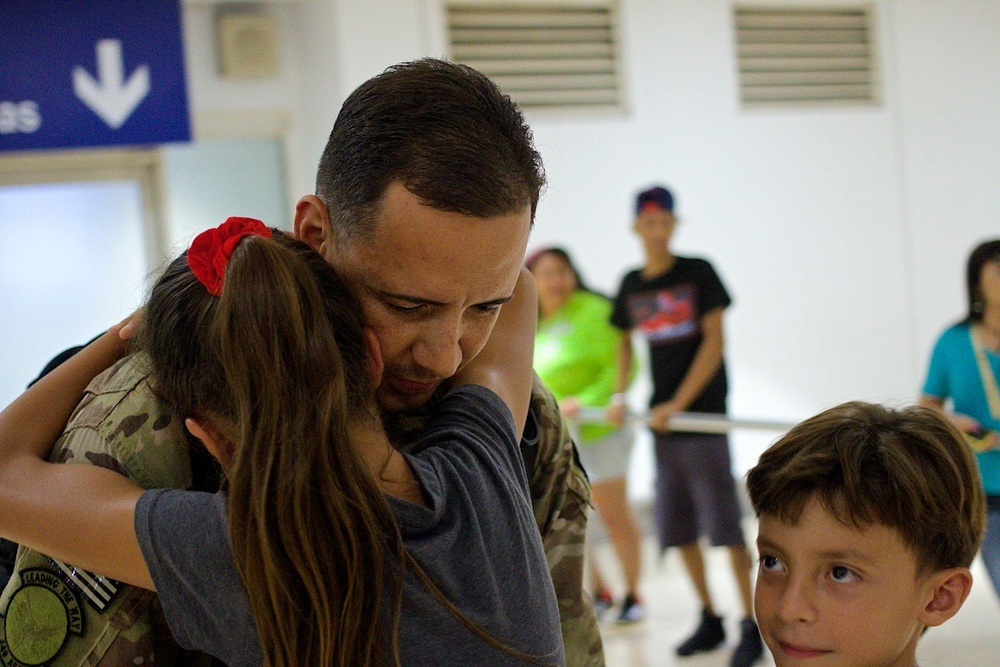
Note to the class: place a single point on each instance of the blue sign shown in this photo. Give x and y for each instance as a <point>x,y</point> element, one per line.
<point>91,73</point>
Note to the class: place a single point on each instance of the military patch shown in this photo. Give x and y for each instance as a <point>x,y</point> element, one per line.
<point>41,615</point>
<point>97,590</point>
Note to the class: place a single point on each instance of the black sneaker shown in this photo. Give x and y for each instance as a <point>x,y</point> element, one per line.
<point>709,635</point>
<point>751,648</point>
<point>632,611</point>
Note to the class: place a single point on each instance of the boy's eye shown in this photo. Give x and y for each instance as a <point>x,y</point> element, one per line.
<point>770,563</point>
<point>842,575</point>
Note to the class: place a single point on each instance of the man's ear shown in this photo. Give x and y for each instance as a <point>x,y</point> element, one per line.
<point>375,356</point>
<point>215,441</point>
<point>949,589</point>
<point>312,224</point>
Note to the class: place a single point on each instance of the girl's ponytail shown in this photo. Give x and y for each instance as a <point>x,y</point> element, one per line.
<point>278,360</point>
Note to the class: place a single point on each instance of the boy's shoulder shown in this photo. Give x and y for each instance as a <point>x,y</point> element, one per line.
<point>694,264</point>
<point>682,268</point>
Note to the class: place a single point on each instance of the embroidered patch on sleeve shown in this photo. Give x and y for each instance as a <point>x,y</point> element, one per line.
<point>41,615</point>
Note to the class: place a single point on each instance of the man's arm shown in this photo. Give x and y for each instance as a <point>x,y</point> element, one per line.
<point>703,368</point>
<point>121,425</point>
<point>560,498</point>
<point>69,512</point>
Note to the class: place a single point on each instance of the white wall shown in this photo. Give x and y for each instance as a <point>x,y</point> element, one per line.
<point>841,232</point>
<point>948,104</point>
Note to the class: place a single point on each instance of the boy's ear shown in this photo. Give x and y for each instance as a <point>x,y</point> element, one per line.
<point>949,588</point>
<point>312,223</point>
<point>375,356</point>
<point>215,441</point>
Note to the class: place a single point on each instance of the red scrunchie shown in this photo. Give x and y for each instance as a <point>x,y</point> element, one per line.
<point>210,251</point>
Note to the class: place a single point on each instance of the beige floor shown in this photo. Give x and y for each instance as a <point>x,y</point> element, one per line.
<point>970,639</point>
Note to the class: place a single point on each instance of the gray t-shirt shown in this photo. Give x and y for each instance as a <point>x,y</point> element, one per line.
<point>477,540</point>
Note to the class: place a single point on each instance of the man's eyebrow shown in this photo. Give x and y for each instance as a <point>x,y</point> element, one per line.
<point>419,300</point>
<point>409,298</point>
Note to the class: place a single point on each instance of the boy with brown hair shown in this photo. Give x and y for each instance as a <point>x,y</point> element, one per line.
<point>869,520</point>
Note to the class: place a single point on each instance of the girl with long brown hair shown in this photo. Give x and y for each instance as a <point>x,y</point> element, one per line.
<point>326,546</point>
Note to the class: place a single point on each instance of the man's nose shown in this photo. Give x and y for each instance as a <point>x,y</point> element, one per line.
<point>439,350</point>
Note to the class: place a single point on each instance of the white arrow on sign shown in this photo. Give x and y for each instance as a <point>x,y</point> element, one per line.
<point>111,97</point>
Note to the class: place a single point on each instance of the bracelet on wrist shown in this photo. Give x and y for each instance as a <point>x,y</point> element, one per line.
<point>618,399</point>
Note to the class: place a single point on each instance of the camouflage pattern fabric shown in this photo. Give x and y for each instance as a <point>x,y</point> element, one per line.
<point>57,616</point>
<point>560,493</point>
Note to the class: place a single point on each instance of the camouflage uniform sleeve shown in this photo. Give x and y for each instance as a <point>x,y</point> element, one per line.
<point>52,614</point>
<point>560,493</point>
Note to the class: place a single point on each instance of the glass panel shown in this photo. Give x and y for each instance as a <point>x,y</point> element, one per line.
<point>208,181</point>
<point>71,264</point>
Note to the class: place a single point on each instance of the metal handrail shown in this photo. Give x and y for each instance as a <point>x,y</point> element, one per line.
<point>694,422</point>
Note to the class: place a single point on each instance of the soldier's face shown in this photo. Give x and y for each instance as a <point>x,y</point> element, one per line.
<point>431,284</point>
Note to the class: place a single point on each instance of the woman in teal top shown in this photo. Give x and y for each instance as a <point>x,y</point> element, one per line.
<point>575,356</point>
<point>964,369</point>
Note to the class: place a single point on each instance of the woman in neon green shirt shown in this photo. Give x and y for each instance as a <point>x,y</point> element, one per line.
<point>575,356</point>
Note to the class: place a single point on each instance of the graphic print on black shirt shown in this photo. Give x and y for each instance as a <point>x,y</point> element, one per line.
<point>665,316</point>
<point>667,311</point>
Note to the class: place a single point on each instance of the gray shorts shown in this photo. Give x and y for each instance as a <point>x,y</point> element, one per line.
<point>607,458</point>
<point>695,490</point>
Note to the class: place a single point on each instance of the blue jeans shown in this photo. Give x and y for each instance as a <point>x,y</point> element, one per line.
<point>990,550</point>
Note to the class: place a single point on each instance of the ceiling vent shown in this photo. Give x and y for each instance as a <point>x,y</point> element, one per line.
<point>798,55</point>
<point>554,56</point>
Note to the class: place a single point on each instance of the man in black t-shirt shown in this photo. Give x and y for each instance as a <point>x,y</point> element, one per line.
<point>676,303</point>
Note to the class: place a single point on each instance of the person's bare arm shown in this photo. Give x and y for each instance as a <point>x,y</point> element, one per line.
<point>703,367</point>
<point>963,423</point>
<point>83,515</point>
<point>504,364</point>
<point>617,410</point>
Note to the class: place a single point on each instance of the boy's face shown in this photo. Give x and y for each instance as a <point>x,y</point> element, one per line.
<point>829,594</point>
<point>655,226</point>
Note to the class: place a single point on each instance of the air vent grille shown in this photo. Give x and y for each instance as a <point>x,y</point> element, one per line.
<point>791,55</point>
<point>551,56</point>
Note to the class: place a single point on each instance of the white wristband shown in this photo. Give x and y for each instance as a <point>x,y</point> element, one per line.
<point>618,399</point>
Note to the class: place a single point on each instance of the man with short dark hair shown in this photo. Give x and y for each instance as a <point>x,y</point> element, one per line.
<point>427,184</point>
